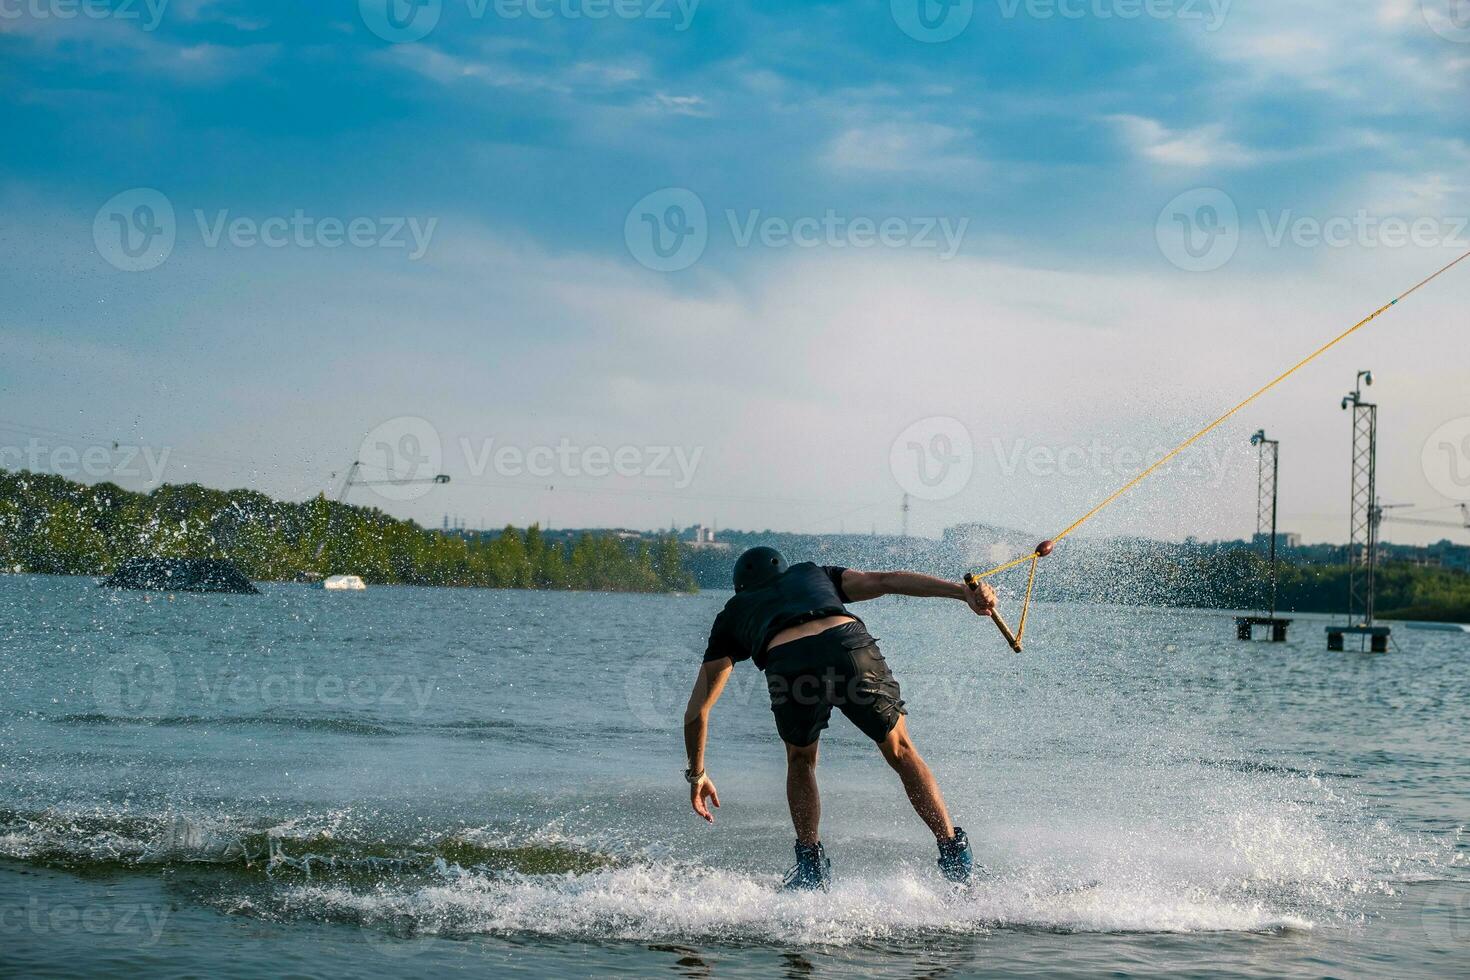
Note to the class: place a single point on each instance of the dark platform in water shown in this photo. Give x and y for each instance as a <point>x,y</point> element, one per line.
<point>180,575</point>
<point>1377,636</point>
<point>1244,627</point>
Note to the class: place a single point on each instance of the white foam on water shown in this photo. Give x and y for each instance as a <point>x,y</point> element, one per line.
<point>183,839</point>
<point>1252,853</point>
<point>663,902</point>
<point>1222,851</point>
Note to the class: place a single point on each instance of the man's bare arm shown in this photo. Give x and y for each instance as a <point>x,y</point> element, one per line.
<point>707,688</point>
<point>860,586</point>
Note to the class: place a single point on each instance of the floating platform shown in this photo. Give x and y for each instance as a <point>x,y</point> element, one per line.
<point>1377,636</point>
<point>1439,627</point>
<point>1245,627</point>
<point>180,575</point>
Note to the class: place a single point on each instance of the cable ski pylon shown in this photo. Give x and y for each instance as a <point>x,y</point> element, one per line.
<point>972,579</point>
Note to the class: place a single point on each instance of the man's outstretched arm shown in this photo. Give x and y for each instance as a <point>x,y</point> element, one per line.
<point>870,585</point>
<point>707,688</point>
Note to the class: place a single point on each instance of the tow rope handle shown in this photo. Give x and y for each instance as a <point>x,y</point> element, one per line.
<point>1014,638</point>
<point>1000,623</point>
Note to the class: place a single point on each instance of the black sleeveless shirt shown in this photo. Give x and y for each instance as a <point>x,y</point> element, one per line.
<point>750,619</point>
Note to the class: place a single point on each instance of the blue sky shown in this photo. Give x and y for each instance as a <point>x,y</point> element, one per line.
<point>1052,141</point>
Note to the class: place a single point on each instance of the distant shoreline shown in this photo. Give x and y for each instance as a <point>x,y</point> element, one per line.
<point>49,524</point>
<point>1220,611</point>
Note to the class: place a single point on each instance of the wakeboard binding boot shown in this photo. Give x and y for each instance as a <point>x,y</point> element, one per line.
<point>813,870</point>
<point>956,860</point>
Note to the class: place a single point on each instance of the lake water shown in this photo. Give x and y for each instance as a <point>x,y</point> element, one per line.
<point>418,781</point>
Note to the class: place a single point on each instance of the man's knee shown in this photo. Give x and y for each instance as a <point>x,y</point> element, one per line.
<point>898,749</point>
<point>801,756</point>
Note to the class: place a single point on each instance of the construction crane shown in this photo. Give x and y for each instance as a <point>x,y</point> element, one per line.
<point>1463,524</point>
<point>354,480</point>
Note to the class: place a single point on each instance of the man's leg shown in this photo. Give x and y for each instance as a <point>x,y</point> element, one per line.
<point>918,781</point>
<point>801,791</point>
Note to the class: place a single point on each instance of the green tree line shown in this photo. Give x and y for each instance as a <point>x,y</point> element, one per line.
<point>50,524</point>
<point>1241,579</point>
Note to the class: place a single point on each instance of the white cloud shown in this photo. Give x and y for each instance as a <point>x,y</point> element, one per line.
<point>603,73</point>
<point>893,148</point>
<point>447,69</point>
<point>681,105</point>
<point>215,11</point>
<point>1203,146</point>
<point>113,44</point>
<point>1382,54</point>
<point>1428,194</point>
<point>492,66</point>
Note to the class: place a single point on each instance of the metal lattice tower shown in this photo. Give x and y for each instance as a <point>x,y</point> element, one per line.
<point>1266,484</point>
<point>1364,515</point>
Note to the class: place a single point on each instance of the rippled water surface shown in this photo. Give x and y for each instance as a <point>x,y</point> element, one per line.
<point>415,780</point>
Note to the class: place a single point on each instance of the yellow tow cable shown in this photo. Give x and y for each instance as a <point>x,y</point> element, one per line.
<point>972,579</point>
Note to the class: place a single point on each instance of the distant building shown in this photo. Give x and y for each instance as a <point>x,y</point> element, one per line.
<point>1441,554</point>
<point>1284,540</point>
<point>702,538</point>
<point>1451,555</point>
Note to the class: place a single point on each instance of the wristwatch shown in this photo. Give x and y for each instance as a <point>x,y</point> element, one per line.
<point>691,777</point>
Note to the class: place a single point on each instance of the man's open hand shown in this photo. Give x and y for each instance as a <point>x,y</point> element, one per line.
<point>980,599</point>
<point>703,791</point>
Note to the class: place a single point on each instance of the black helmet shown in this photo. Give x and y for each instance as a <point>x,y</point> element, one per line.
<point>757,567</point>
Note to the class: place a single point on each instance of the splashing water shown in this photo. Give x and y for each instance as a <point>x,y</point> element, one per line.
<point>1133,774</point>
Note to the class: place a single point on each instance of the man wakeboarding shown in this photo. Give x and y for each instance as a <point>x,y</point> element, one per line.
<point>794,623</point>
